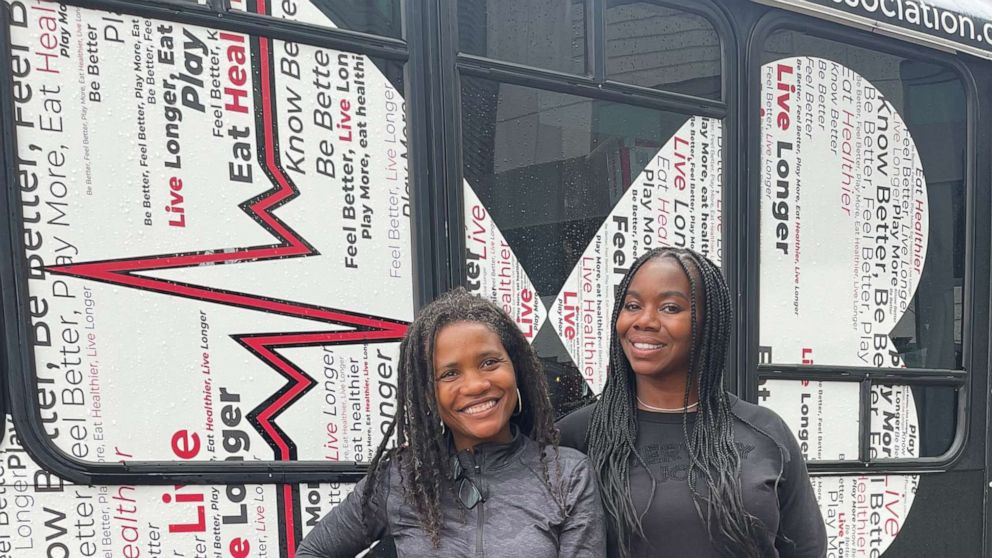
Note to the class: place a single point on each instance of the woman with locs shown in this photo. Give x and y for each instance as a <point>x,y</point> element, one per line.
<point>685,468</point>
<point>476,469</point>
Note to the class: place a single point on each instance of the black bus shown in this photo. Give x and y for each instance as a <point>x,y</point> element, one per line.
<point>221,215</point>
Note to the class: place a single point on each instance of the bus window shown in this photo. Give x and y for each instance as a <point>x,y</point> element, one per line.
<point>562,193</point>
<point>862,207</point>
<point>861,172</point>
<point>660,47</point>
<point>548,34</point>
<point>196,249</point>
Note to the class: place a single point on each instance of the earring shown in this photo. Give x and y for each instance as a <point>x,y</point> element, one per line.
<point>520,402</point>
<point>442,428</point>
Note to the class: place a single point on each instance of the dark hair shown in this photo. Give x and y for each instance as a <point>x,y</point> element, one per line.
<point>421,448</point>
<point>713,456</point>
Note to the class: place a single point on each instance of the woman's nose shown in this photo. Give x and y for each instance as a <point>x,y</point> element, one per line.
<point>646,320</point>
<point>476,383</point>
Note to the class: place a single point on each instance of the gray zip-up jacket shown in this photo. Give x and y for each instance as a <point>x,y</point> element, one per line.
<point>519,517</point>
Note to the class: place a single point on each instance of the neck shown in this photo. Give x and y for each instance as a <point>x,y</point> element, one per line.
<point>665,392</point>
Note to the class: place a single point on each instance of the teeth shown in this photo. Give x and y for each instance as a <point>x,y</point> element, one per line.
<point>480,408</point>
<point>647,346</point>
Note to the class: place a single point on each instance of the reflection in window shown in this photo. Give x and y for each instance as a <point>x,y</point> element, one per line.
<point>662,48</point>
<point>937,408</point>
<point>906,421</point>
<point>548,34</point>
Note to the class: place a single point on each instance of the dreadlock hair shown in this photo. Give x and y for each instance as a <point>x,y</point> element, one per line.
<point>713,455</point>
<point>421,448</point>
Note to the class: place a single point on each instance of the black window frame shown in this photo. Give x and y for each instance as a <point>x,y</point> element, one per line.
<point>19,374</point>
<point>975,317</point>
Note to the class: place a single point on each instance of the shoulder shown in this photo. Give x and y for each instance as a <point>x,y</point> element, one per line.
<point>572,459</point>
<point>767,423</point>
<point>758,416</point>
<point>568,458</point>
<point>388,477</point>
<point>572,427</point>
<point>571,463</point>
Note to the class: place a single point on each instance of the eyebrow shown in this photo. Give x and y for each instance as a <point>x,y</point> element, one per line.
<point>665,294</point>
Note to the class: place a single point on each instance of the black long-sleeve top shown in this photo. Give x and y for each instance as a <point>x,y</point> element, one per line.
<point>673,528</point>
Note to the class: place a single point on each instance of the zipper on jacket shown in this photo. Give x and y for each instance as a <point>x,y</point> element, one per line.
<point>479,550</point>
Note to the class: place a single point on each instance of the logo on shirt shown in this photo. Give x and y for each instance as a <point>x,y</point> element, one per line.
<point>670,461</point>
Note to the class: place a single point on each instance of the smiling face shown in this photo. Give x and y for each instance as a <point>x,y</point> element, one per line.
<point>655,322</point>
<point>475,384</point>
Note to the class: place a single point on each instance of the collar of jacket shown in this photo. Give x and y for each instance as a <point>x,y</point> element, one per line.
<point>493,455</point>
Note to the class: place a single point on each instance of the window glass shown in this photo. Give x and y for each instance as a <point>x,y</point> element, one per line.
<point>662,48</point>
<point>862,212</point>
<point>378,17</point>
<point>913,421</point>
<point>192,247</point>
<point>906,421</point>
<point>824,416</point>
<point>549,34</point>
<point>562,193</point>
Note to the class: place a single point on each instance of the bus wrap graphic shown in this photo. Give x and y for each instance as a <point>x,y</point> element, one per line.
<point>964,25</point>
<point>216,233</point>
<point>844,221</point>
<point>201,209</point>
<point>366,329</point>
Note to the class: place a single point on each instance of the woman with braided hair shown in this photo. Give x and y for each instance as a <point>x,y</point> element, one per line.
<point>685,468</point>
<point>475,469</point>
